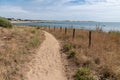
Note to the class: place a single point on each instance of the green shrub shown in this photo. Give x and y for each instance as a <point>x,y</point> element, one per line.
<point>83,74</point>
<point>67,47</point>
<point>38,27</point>
<point>33,31</point>
<point>5,23</point>
<point>72,54</point>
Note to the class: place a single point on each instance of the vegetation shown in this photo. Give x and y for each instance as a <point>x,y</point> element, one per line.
<point>67,47</point>
<point>83,74</point>
<point>115,32</point>
<point>17,46</point>
<point>5,23</point>
<point>104,51</point>
<point>35,42</point>
<point>107,74</point>
<point>72,54</point>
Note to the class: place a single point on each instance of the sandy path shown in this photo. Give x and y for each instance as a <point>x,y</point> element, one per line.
<point>47,64</point>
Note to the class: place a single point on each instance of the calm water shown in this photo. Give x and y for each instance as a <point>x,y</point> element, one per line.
<point>106,26</point>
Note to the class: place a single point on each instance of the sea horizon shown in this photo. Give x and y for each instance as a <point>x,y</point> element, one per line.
<point>87,25</point>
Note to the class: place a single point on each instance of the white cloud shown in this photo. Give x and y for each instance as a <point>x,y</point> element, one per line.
<point>16,12</point>
<point>63,1</point>
<point>13,9</point>
<point>104,2</point>
<point>100,10</point>
<point>53,2</point>
<point>97,10</point>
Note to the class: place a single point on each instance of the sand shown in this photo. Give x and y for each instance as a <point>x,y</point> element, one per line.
<point>47,64</point>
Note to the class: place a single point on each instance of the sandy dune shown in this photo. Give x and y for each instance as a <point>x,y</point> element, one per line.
<point>47,64</point>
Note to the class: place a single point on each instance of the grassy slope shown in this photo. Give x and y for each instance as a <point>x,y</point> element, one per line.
<point>17,45</point>
<point>102,58</point>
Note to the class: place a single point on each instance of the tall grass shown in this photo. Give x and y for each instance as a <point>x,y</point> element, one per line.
<point>17,51</point>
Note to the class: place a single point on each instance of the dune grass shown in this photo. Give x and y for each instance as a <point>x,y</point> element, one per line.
<point>17,47</point>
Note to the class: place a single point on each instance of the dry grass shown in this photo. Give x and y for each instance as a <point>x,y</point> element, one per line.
<point>102,57</point>
<point>17,45</point>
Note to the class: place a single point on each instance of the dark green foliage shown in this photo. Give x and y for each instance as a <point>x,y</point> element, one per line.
<point>72,54</point>
<point>5,23</point>
<point>83,74</point>
<point>38,27</point>
<point>67,47</point>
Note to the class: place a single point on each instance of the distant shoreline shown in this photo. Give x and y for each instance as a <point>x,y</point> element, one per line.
<point>37,21</point>
<point>20,21</point>
<point>89,25</point>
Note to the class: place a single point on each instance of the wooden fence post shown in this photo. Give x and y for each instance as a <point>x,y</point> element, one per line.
<point>49,28</point>
<point>60,29</point>
<point>54,28</point>
<point>65,30</point>
<point>90,37</point>
<point>73,33</point>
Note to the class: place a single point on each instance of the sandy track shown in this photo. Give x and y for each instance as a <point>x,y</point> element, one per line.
<point>47,64</point>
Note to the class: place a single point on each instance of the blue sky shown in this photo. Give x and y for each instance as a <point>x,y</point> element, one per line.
<point>82,10</point>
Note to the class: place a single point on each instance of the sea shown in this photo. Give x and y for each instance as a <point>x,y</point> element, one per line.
<point>87,25</point>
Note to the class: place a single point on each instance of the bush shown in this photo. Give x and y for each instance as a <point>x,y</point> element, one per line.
<point>72,54</point>
<point>83,74</point>
<point>67,47</point>
<point>38,27</point>
<point>5,23</point>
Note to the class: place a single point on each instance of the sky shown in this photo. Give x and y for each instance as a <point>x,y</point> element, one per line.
<point>78,10</point>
